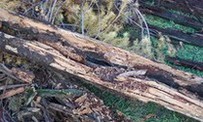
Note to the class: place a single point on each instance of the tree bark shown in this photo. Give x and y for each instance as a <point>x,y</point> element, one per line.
<point>176,35</point>
<point>191,7</point>
<point>159,10</point>
<point>186,63</point>
<point>100,64</point>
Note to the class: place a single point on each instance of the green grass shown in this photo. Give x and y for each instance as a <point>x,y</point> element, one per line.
<point>193,53</point>
<point>163,23</point>
<point>187,51</point>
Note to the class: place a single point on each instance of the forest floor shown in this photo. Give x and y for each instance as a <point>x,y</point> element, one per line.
<point>135,110</point>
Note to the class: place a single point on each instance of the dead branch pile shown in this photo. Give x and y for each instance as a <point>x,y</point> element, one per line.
<point>39,94</point>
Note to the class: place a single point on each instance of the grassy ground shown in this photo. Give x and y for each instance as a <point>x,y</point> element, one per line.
<point>192,53</point>
<point>187,51</point>
<point>157,21</point>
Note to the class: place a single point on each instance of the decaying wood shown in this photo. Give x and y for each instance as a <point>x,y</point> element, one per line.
<point>12,86</point>
<point>190,7</point>
<point>176,35</point>
<point>186,63</point>
<point>160,9</point>
<point>12,92</point>
<point>101,65</point>
<point>17,74</point>
<point>166,14</point>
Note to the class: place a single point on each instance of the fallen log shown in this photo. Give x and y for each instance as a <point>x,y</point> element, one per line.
<point>100,64</point>
<point>136,88</point>
<point>176,35</point>
<point>166,14</point>
<point>185,63</point>
<point>189,7</point>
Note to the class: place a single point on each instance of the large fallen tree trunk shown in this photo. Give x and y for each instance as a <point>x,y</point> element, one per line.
<point>101,65</point>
